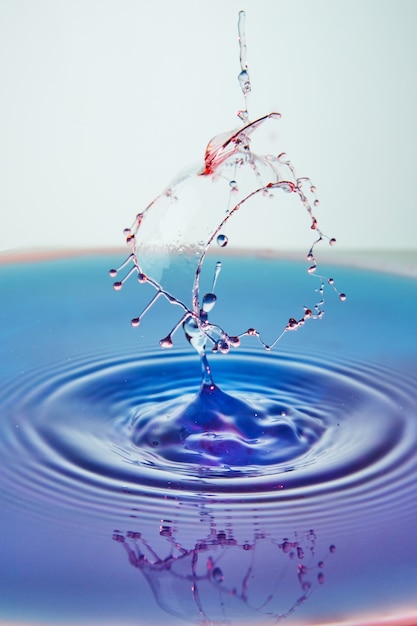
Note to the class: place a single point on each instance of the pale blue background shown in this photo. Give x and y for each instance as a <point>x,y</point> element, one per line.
<point>103,101</point>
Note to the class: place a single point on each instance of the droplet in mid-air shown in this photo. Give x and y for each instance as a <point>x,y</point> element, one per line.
<point>222,240</point>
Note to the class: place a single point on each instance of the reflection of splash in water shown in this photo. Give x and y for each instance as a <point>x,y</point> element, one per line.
<point>222,580</point>
<point>176,231</point>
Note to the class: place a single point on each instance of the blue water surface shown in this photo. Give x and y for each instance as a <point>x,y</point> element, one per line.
<point>75,382</point>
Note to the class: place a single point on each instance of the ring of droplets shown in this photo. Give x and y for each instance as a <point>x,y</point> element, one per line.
<point>221,155</point>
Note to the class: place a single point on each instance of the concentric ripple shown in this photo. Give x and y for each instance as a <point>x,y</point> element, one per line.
<point>307,427</point>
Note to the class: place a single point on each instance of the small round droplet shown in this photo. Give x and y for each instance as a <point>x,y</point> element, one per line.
<point>233,185</point>
<point>332,548</point>
<point>135,322</point>
<point>222,240</point>
<point>313,189</point>
<point>320,578</point>
<point>166,342</point>
<point>127,232</point>
<point>332,241</point>
<point>330,281</point>
<point>209,300</point>
<point>224,347</point>
<point>142,278</point>
<point>312,269</point>
<point>252,332</point>
<point>217,575</point>
<point>117,286</point>
<point>292,323</point>
<point>316,202</point>
<point>112,273</point>
<point>342,297</point>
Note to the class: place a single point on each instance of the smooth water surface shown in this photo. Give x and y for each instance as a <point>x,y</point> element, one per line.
<point>288,490</point>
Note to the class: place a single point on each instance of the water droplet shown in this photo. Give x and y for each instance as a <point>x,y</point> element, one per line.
<point>342,297</point>
<point>209,300</point>
<point>135,322</point>
<point>222,240</point>
<point>217,575</point>
<point>332,548</point>
<point>142,278</point>
<point>330,281</point>
<point>118,285</point>
<point>312,269</point>
<point>127,232</point>
<point>320,578</point>
<point>224,346</point>
<point>313,189</point>
<point>332,241</point>
<point>112,273</point>
<point>300,553</point>
<point>316,202</point>
<point>166,342</point>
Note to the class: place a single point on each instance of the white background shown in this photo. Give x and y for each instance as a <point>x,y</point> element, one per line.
<point>103,101</point>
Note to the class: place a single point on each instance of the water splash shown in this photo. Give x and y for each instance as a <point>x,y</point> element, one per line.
<point>186,223</point>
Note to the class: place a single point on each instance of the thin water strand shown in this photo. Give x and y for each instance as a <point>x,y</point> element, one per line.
<point>244,79</point>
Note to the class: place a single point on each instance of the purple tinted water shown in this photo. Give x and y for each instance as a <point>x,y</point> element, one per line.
<point>234,525</point>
